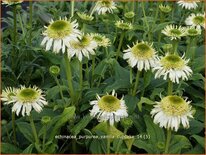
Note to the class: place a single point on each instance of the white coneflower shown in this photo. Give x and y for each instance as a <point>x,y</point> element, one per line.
<point>173,67</point>
<point>85,16</point>
<point>174,32</point>
<point>172,111</point>
<point>11,2</point>
<point>109,108</point>
<point>83,47</point>
<point>26,98</point>
<point>197,20</point>
<point>123,25</point>
<point>104,6</point>
<point>7,95</point>
<point>100,39</point>
<point>165,8</point>
<point>188,4</point>
<point>142,55</point>
<point>192,31</point>
<point>59,34</point>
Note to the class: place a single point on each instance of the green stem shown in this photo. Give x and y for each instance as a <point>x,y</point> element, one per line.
<point>170,87</point>
<point>14,36</point>
<point>136,83</point>
<point>14,127</point>
<point>175,46</point>
<point>108,139</point>
<point>21,24</point>
<point>131,76</point>
<point>33,129</point>
<point>60,89</point>
<point>72,8</point>
<point>87,69</point>
<point>93,9</point>
<point>44,137</point>
<point>168,141</point>
<point>145,17</point>
<point>120,45</point>
<point>30,22</point>
<point>80,77</point>
<point>93,68</point>
<point>120,141</point>
<point>69,75</point>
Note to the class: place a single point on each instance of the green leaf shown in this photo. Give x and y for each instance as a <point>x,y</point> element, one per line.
<point>67,114</point>
<point>178,142</point>
<point>144,100</point>
<point>131,102</point>
<point>9,148</point>
<point>200,140</point>
<point>156,133</point>
<point>25,129</point>
<point>112,132</point>
<point>29,149</point>
<point>81,125</point>
<point>143,145</point>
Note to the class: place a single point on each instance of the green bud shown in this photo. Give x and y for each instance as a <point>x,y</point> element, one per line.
<point>167,47</point>
<point>165,8</point>
<point>3,122</point>
<point>45,119</point>
<point>160,145</point>
<point>126,122</point>
<point>54,70</point>
<point>129,14</point>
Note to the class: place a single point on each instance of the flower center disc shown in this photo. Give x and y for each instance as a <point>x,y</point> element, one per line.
<point>28,95</point>
<point>59,29</point>
<point>109,103</point>
<point>198,20</point>
<point>192,31</point>
<point>175,32</point>
<point>142,50</point>
<point>174,105</point>
<point>106,3</point>
<point>172,61</point>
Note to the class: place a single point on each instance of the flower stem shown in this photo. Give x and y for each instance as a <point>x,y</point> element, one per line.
<point>93,67</point>
<point>145,17</point>
<point>170,87</point>
<point>120,141</point>
<point>168,141</point>
<point>120,45</point>
<point>175,46</point>
<point>60,89</point>
<point>93,9</point>
<point>136,83</point>
<point>33,129</point>
<point>80,77</point>
<point>14,36</point>
<point>108,139</point>
<point>69,75</point>
<point>44,137</point>
<point>14,127</point>
<point>30,22</point>
<point>72,8</point>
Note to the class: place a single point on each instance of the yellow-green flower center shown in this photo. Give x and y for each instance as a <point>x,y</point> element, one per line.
<point>98,38</point>
<point>174,106</point>
<point>106,3</point>
<point>109,103</point>
<point>175,32</point>
<point>59,29</point>
<point>199,20</point>
<point>54,70</point>
<point>27,95</point>
<point>172,62</point>
<point>193,32</point>
<point>85,41</point>
<point>142,50</point>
